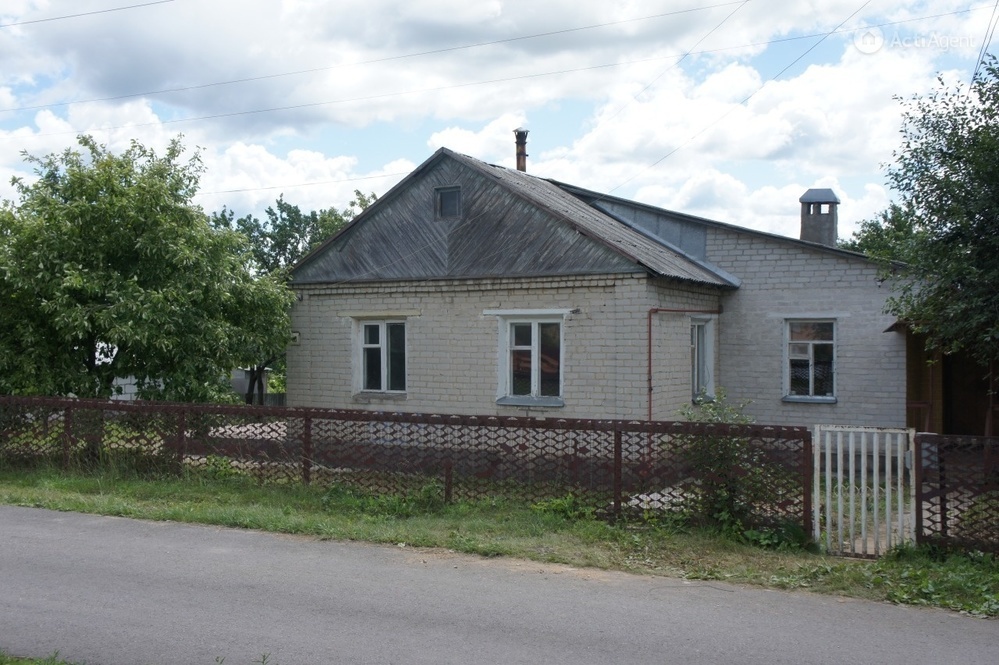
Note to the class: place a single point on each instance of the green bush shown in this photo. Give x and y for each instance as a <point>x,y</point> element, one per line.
<point>567,507</point>
<point>733,479</point>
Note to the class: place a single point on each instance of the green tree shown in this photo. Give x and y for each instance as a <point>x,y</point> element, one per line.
<point>108,270</point>
<point>946,224</point>
<point>888,238</point>
<point>278,243</point>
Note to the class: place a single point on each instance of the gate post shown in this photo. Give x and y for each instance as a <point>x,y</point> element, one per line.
<point>917,467</point>
<point>617,471</point>
<point>808,479</point>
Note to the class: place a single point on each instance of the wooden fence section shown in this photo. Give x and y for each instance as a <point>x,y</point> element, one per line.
<point>957,496</point>
<point>616,466</point>
<point>864,502</point>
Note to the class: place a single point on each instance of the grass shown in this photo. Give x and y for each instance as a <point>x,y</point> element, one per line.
<point>558,531</point>
<point>12,660</point>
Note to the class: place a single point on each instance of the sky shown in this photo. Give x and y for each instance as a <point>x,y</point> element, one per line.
<point>725,109</point>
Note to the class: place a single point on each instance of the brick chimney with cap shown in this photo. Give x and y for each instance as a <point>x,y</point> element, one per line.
<point>521,135</point>
<point>819,218</point>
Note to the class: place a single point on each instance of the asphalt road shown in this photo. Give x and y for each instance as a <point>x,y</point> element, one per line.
<point>112,591</point>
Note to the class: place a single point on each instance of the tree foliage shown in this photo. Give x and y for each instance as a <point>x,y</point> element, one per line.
<point>108,270</point>
<point>888,238</point>
<point>288,234</point>
<point>277,244</point>
<point>946,224</point>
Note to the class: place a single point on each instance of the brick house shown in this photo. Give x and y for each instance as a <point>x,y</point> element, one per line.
<point>475,289</point>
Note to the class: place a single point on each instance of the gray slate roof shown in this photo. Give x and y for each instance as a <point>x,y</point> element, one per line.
<point>659,258</point>
<point>543,227</point>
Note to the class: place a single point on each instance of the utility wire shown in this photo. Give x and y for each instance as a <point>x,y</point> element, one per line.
<point>989,32</point>
<point>294,107</point>
<point>677,63</point>
<point>99,11</point>
<point>741,4</point>
<point>315,70</point>
<point>265,77</point>
<point>745,100</point>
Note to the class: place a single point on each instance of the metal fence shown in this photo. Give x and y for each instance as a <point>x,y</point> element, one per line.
<point>614,465</point>
<point>957,491</point>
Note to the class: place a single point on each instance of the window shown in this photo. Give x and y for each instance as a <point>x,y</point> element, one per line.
<point>448,202</point>
<point>383,356</point>
<point>702,356</point>
<point>535,359</point>
<point>531,357</point>
<point>811,356</point>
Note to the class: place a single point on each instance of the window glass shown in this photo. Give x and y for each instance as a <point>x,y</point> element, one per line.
<point>449,202</point>
<point>701,358</point>
<point>800,377</point>
<point>551,356</point>
<point>520,362</point>
<point>521,334</point>
<point>811,330</point>
<point>373,369</point>
<point>397,356</point>
<point>822,359</point>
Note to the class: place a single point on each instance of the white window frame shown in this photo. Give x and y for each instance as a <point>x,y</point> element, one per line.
<point>702,355</point>
<point>504,388</point>
<point>810,356</point>
<point>361,346</point>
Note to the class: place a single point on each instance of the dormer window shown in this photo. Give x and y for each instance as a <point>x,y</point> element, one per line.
<point>448,202</point>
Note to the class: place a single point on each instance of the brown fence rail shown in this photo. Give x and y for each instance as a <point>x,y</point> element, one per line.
<point>957,491</point>
<point>763,473</point>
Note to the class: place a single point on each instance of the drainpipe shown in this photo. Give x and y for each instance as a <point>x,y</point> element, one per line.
<point>667,310</point>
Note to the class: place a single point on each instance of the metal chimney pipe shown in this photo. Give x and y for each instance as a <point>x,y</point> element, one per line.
<point>521,135</point>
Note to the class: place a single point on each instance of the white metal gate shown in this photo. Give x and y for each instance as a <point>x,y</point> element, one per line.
<point>864,494</point>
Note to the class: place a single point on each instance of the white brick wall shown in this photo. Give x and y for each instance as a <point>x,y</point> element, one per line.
<point>781,281</point>
<point>452,349</point>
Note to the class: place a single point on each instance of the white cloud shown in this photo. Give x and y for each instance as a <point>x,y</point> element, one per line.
<point>281,95</point>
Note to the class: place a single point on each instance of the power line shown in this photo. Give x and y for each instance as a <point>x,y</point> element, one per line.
<point>294,107</point>
<point>314,70</point>
<point>744,100</point>
<point>989,32</point>
<point>265,77</point>
<point>99,11</point>
<point>677,63</point>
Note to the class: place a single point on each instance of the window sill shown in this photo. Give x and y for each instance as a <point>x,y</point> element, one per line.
<point>368,397</point>
<point>808,399</point>
<point>522,400</point>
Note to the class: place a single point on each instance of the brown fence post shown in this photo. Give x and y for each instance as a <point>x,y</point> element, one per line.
<point>617,471</point>
<point>448,480</point>
<point>307,450</point>
<point>67,436</point>
<point>917,467</point>
<point>181,436</point>
<point>942,475</point>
